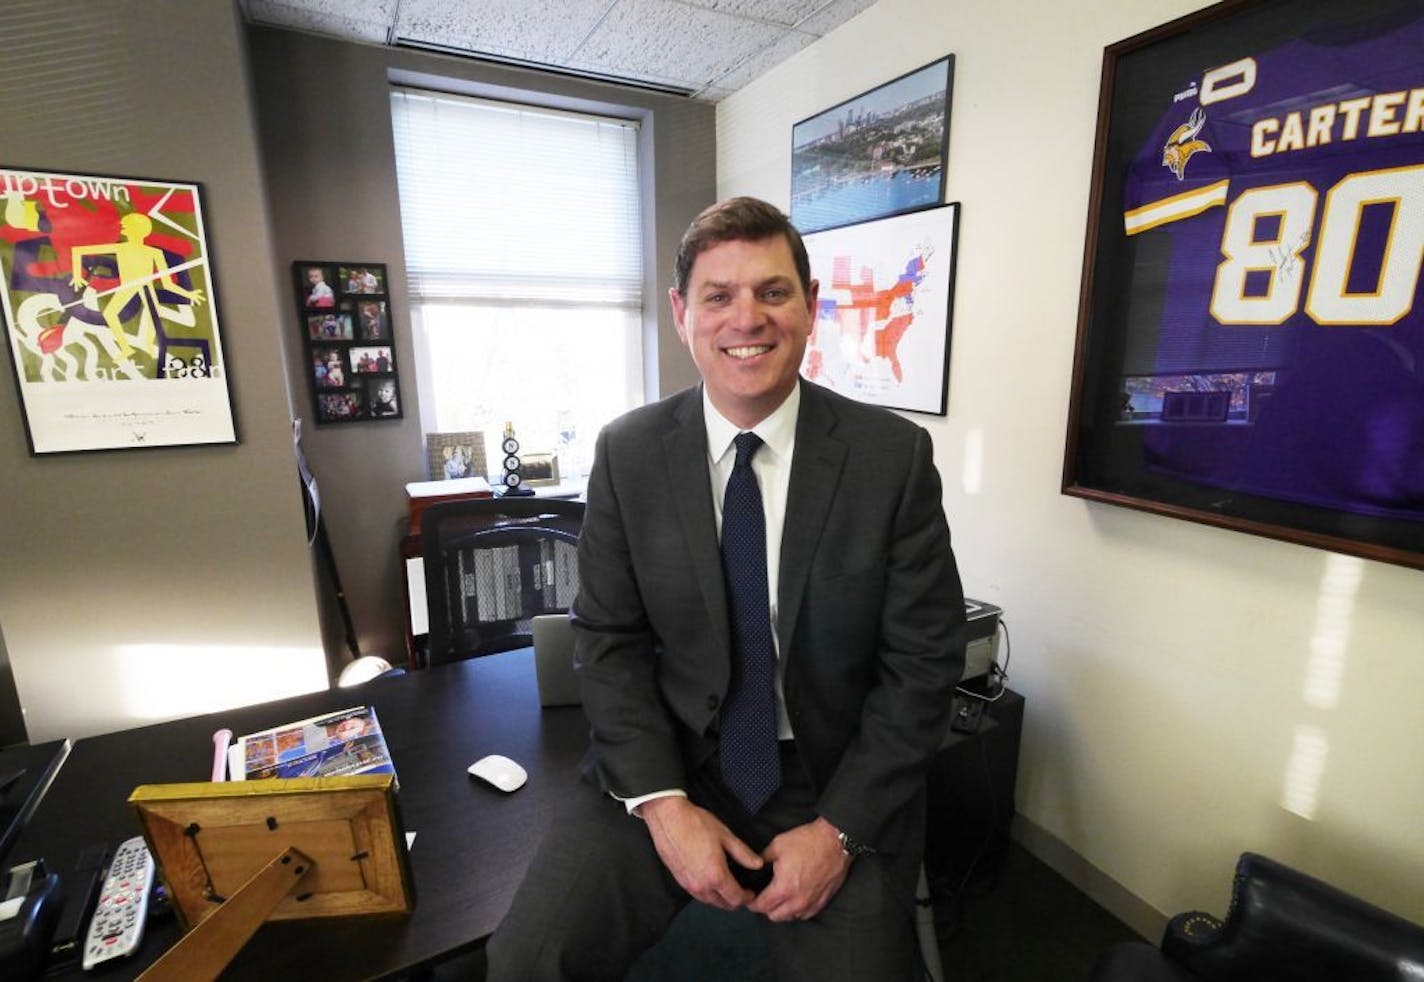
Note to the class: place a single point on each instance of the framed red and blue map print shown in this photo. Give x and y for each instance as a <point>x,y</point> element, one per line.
<point>1250,348</point>
<point>110,313</point>
<point>883,314</point>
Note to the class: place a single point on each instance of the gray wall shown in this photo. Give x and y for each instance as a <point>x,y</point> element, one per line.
<point>324,115</point>
<point>139,584</point>
<point>12,720</point>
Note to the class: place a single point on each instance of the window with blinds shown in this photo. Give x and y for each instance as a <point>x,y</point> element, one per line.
<point>523,252</point>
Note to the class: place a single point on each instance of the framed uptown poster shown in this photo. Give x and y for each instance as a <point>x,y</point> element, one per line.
<point>881,153</point>
<point>883,315</point>
<point>1250,347</point>
<point>110,313</point>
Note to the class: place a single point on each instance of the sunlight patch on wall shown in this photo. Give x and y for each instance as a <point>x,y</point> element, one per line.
<point>164,681</point>
<point>972,473</point>
<point>1304,771</point>
<point>1334,607</point>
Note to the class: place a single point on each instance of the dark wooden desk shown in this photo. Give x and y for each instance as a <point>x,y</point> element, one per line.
<point>472,843</point>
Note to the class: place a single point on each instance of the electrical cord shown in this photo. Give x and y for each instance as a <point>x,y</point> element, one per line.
<point>998,676</point>
<point>992,824</point>
<point>996,687</point>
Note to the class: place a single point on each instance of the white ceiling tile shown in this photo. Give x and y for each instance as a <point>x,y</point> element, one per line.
<point>787,13</point>
<point>360,20</point>
<point>711,47</point>
<point>833,15</point>
<point>712,93</point>
<point>764,61</point>
<point>534,30</point>
<point>671,41</point>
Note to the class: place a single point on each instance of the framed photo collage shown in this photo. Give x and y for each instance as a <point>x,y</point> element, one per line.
<point>344,310</point>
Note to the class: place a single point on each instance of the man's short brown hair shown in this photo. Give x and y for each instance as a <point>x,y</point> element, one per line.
<point>733,220</point>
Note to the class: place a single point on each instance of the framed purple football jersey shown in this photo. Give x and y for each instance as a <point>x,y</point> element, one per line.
<point>1253,341</point>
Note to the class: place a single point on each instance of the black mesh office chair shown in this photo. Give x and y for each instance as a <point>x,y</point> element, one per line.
<point>491,564</point>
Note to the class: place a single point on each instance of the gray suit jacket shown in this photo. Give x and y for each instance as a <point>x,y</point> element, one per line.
<point>870,610</point>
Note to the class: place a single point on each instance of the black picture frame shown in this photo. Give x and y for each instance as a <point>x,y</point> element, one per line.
<point>885,312</point>
<point>344,310</point>
<point>884,152</point>
<point>1267,394</point>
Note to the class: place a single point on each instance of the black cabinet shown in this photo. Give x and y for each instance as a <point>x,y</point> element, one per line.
<point>971,799</point>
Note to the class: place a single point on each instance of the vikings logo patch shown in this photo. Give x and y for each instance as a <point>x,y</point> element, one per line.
<point>1183,143</point>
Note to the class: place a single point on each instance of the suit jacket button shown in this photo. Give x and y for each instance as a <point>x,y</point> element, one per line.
<point>712,702</point>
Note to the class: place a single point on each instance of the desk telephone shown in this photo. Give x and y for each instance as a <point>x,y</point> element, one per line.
<point>44,921</point>
<point>31,900</point>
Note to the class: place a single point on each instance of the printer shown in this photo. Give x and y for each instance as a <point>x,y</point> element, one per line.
<point>981,650</point>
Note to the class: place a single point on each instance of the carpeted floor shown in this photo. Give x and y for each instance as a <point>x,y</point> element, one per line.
<point>1023,924</point>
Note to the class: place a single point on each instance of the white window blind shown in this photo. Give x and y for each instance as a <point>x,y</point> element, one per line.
<point>523,253</point>
<point>511,204</point>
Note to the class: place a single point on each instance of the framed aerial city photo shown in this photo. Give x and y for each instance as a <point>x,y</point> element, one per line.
<point>881,153</point>
<point>111,313</point>
<point>344,310</point>
<point>883,314</point>
<point>1250,349</point>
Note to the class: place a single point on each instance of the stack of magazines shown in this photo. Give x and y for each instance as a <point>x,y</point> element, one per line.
<point>334,745</point>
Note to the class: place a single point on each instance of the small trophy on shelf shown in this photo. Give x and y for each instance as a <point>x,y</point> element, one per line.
<point>513,480</point>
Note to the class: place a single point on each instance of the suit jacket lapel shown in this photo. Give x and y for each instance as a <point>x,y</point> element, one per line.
<point>815,477</point>
<point>688,482</point>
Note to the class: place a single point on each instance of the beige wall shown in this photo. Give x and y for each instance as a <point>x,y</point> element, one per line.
<point>146,584</point>
<point>324,115</point>
<point>1179,679</point>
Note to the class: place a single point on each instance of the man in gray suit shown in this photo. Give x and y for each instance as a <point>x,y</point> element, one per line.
<point>864,645</point>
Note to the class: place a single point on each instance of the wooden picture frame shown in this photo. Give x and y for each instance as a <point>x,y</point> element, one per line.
<point>345,312</point>
<point>885,310</point>
<point>883,152</point>
<point>208,838</point>
<point>1256,168</point>
<point>234,854</point>
<point>455,455</point>
<point>111,313</point>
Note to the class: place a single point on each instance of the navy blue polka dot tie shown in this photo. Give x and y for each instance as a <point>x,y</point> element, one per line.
<point>751,769</point>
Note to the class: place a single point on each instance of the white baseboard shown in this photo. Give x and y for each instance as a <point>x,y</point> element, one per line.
<point>1102,889</point>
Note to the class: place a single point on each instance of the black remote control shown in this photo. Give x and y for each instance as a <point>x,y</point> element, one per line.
<point>81,889</point>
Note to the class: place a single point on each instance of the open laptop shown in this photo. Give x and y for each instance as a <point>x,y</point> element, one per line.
<point>554,660</point>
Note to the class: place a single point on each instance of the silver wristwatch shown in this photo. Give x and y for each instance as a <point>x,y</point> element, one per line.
<point>852,847</point>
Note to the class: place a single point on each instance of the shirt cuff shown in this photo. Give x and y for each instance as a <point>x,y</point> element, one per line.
<point>633,803</point>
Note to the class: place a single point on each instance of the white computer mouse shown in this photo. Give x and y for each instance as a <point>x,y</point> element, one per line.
<point>499,771</point>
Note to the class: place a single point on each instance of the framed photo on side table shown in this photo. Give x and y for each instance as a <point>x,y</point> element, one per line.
<point>882,153</point>
<point>346,318</point>
<point>539,470</point>
<point>452,456</point>
<point>1250,349</point>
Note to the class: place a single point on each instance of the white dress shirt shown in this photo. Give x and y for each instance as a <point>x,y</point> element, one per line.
<point>772,467</point>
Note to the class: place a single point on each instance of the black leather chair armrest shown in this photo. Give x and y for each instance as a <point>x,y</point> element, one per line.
<point>1187,932</point>
<point>1285,925</point>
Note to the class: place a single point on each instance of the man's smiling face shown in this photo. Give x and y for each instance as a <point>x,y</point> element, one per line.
<point>745,319</point>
